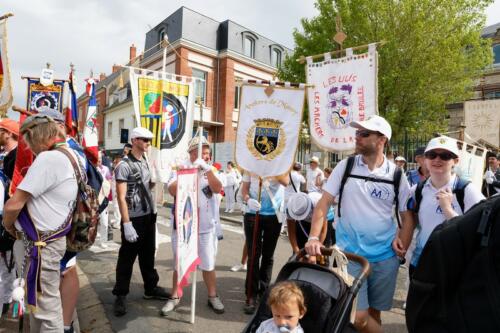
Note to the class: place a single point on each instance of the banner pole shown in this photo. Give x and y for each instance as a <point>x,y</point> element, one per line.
<point>200,146</point>
<point>254,245</point>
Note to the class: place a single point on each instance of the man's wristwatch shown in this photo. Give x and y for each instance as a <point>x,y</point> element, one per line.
<point>313,238</point>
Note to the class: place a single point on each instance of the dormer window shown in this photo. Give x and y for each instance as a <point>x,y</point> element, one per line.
<point>162,34</point>
<point>276,55</point>
<point>249,40</point>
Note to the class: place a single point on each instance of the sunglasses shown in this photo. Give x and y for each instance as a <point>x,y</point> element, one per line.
<point>445,156</point>
<point>144,139</point>
<point>366,133</point>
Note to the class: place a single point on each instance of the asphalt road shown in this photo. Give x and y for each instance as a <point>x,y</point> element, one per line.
<point>98,276</point>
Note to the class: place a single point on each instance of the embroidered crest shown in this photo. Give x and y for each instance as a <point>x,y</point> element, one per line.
<point>442,141</point>
<point>266,139</point>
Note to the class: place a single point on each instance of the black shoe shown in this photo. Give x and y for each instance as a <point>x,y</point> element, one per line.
<point>5,308</point>
<point>157,293</point>
<point>119,307</point>
<point>249,307</point>
<point>70,329</point>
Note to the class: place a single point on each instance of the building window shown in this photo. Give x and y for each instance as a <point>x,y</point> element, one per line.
<point>275,57</point>
<point>110,129</point>
<point>496,55</point>
<point>121,125</point>
<point>249,46</point>
<point>162,34</point>
<point>237,93</point>
<point>200,86</point>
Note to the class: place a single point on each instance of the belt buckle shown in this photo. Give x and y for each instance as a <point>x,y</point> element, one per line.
<point>19,235</point>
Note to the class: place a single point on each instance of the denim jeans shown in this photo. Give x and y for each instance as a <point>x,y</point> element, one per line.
<point>260,258</point>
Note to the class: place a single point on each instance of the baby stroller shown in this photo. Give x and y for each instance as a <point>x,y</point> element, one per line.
<point>328,298</point>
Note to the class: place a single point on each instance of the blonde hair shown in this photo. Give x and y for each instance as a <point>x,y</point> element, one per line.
<point>42,132</point>
<point>284,293</point>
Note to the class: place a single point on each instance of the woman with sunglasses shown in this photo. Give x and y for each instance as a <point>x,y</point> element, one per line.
<point>438,201</point>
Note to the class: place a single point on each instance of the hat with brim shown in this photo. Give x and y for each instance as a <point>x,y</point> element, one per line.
<point>314,159</point>
<point>443,142</point>
<point>299,206</point>
<point>10,126</point>
<point>54,114</point>
<point>375,124</point>
<point>195,141</point>
<point>141,132</point>
<point>400,159</point>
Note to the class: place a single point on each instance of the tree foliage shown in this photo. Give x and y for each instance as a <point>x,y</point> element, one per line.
<point>433,54</point>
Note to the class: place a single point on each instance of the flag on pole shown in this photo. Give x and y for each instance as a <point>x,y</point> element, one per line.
<point>71,109</point>
<point>268,128</point>
<point>90,135</point>
<point>5,84</point>
<point>343,90</point>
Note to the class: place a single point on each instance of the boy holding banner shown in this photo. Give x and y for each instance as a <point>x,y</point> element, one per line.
<point>208,186</point>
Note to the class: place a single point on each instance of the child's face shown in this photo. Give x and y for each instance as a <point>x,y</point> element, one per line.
<point>286,315</point>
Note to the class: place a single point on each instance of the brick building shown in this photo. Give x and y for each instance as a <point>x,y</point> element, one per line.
<point>220,53</point>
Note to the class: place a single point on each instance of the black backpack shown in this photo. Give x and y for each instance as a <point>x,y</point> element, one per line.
<point>458,190</point>
<point>396,180</point>
<point>456,285</point>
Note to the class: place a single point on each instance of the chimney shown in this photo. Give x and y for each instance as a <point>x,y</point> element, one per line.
<point>116,68</point>
<point>133,53</point>
<point>102,76</point>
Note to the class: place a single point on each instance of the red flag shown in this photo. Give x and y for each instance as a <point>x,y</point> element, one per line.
<point>24,158</point>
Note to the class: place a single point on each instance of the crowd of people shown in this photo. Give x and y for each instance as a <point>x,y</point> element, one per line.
<point>380,210</point>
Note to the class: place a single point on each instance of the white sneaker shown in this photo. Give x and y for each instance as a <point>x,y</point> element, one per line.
<point>216,304</point>
<point>231,211</point>
<point>170,306</point>
<point>239,267</point>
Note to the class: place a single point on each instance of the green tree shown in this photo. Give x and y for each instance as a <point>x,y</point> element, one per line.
<point>433,54</point>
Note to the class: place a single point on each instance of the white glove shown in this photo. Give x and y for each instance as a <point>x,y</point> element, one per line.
<point>253,204</point>
<point>200,163</point>
<point>130,233</point>
<point>490,180</point>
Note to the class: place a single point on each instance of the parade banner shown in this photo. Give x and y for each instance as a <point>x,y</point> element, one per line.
<point>165,107</point>
<point>482,120</point>
<point>471,162</point>
<point>90,135</point>
<point>186,217</point>
<point>344,90</point>
<point>5,83</point>
<point>268,128</point>
<point>42,97</point>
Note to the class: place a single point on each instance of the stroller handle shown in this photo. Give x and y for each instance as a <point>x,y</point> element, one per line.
<point>365,265</point>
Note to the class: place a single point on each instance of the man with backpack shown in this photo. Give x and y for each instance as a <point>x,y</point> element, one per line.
<point>138,232</point>
<point>43,206</point>
<point>366,187</point>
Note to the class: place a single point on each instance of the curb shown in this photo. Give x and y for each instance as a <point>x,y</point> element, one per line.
<point>91,313</point>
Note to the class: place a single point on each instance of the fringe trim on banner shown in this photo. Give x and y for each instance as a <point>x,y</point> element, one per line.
<point>184,280</point>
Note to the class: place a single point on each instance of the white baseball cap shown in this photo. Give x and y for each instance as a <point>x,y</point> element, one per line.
<point>300,205</point>
<point>400,158</point>
<point>374,123</point>
<point>141,132</point>
<point>314,159</point>
<point>443,142</point>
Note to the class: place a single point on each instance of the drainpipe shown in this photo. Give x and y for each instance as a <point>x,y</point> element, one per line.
<point>217,110</point>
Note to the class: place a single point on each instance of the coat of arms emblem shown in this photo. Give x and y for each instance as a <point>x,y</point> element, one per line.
<point>266,139</point>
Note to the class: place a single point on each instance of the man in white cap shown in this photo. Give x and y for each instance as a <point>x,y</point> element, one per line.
<point>400,162</point>
<point>366,194</point>
<point>133,188</point>
<point>209,185</point>
<point>314,176</point>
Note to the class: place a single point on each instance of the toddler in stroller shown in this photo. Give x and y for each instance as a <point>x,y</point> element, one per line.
<point>328,297</point>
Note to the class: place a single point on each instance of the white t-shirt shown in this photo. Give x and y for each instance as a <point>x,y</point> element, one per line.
<point>208,208</point>
<point>430,214</point>
<point>312,176</point>
<point>53,187</point>
<point>366,226</point>
<point>269,326</point>
<point>297,179</point>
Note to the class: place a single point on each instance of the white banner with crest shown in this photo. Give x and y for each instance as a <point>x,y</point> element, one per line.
<point>268,128</point>
<point>482,120</point>
<point>345,90</point>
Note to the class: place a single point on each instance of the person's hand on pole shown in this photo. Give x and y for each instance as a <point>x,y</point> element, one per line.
<point>130,233</point>
<point>200,163</point>
<point>253,204</point>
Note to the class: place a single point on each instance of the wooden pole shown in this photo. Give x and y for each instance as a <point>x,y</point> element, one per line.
<point>3,17</point>
<point>302,59</point>
<point>250,294</point>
